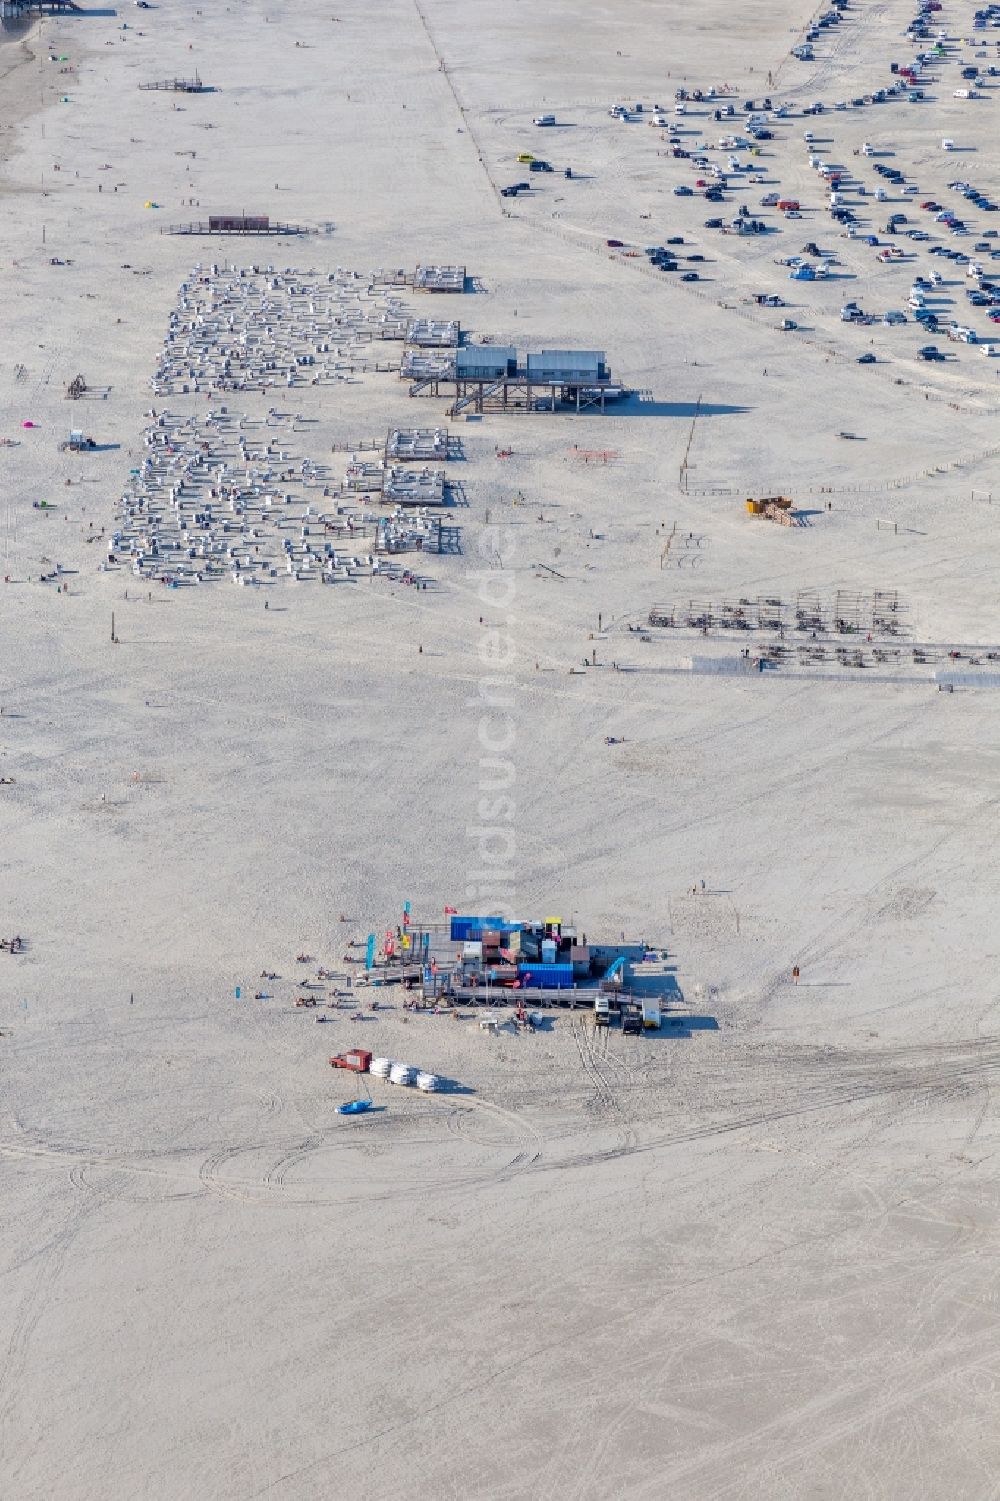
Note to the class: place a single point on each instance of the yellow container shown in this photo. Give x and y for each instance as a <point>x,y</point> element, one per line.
<point>754,507</point>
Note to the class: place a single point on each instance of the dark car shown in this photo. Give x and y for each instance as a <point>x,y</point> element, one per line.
<point>866,359</point>
<point>930,352</point>
<point>614,244</point>
<point>713,223</point>
<point>676,240</point>
<point>690,276</point>
<point>696,257</point>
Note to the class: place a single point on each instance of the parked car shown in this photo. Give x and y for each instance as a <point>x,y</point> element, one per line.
<point>690,276</point>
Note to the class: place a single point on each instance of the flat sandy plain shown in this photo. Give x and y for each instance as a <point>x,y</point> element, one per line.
<point>753,1257</point>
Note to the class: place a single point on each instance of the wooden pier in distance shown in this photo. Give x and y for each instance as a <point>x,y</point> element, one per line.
<point>14,10</point>
<point>178,86</point>
<point>236,224</point>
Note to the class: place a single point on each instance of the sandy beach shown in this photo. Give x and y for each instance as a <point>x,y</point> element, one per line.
<point>746,1256</point>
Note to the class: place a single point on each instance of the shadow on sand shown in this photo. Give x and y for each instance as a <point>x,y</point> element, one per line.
<point>631,406</point>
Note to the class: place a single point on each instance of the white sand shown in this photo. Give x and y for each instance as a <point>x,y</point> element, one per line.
<point>749,1260</point>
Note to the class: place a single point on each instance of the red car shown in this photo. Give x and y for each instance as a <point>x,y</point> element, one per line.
<point>931,206</point>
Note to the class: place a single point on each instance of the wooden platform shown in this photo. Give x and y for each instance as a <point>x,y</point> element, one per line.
<point>204,228</point>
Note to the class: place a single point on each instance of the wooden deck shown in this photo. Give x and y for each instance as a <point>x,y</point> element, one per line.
<point>204,228</point>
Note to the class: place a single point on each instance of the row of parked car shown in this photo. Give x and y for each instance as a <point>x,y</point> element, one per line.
<point>738,163</point>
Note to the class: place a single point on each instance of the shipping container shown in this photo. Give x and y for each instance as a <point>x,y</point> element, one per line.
<point>546,976</point>
<point>463,928</point>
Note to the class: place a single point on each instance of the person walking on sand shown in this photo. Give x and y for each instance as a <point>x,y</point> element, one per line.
<point>795,974</point>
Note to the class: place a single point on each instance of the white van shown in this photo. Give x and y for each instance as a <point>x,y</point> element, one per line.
<point>990,350</point>
<point>868,149</point>
<point>947,144</point>
<point>962,94</point>
<point>545,119</point>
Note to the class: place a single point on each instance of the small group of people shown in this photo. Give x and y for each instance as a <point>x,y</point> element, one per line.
<point>12,945</point>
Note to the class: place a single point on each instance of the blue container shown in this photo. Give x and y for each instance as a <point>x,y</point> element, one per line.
<point>541,976</point>
<point>470,929</point>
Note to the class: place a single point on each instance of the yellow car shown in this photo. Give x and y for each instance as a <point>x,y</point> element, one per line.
<point>525,156</point>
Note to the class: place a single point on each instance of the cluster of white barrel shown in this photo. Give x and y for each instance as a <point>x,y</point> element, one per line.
<point>404,1073</point>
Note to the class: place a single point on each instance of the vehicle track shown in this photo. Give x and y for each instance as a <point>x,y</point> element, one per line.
<point>945,1085</point>
<point>48,1265</point>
